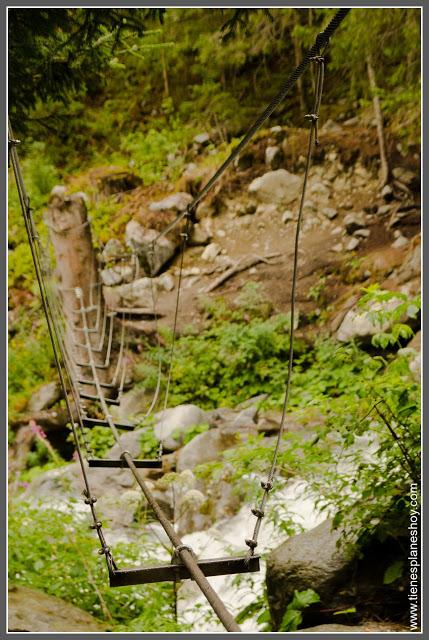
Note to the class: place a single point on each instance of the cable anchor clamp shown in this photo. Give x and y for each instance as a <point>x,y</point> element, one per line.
<point>252,544</point>
<point>104,551</point>
<point>175,558</point>
<point>313,117</point>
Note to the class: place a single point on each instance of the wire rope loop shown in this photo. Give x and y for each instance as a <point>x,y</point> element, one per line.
<point>176,552</point>
<point>104,551</point>
<point>313,117</point>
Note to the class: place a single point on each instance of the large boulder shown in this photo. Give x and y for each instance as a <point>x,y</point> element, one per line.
<point>177,202</point>
<point>112,251</point>
<point>310,560</point>
<point>205,447</point>
<point>279,186</point>
<point>360,324</point>
<point>142,241</point>
<point>44,397</point>
<point>34,611</point>
<point>274,157</point>
<point>173,424</point>
<point>118,181</point>
<point>117,275</point>
<point>139,294</point>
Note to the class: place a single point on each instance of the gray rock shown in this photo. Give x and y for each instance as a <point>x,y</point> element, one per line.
<point>287,216</point>
<point>58,191</point>
<point>211,252</point>
<point>202,139</point>
<point>201,234</point>
<point>278,186</point>
<point>274,157</point>
<point>45,397</point>
<point>310,560</point>
<point>177,421</point>
<point>113,250</point>
<point>384,209</point>
<point>329,213</point>
<point>117,275</point>
<point>387,193</point>
<point>333,628</point>
<point>400,241</point>
<point>319,189</point>
<point>361,324</point>
<point>133,404</point>
<point>244,161</point>
<point>330,127</point>
<point>118,182</point>
<point>352,244</point>
<point>165,281</point>
<point>137,294</point>
<point>34,611</point>
<point>205,447</point>
<point>141,240</point>
<point>405,176</point>
<point>351,122</point>
<point>353,222</point>
<point>176,202</point>
<point>130,441</point>
<point>411,265</point>
<point>362,233</point>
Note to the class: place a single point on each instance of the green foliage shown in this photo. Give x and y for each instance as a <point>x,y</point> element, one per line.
<point>99,439</point>
<point>393,572</point>
<point>359,462</point>
<point>149,152</point>
<point>54,52</point>
<point>258,608</point>
<point>57,554</point>
<point>190,435</point>
<point>30,361</point>
<point>149,445</point>
<point>40,176</point>
<point>293,615</point>
<point>230,362</point>
<point>387,309</point>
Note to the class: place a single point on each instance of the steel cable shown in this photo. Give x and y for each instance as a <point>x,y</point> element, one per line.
<point>267,485</point>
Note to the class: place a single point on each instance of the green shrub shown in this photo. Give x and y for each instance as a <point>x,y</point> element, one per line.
<point>57,554</point>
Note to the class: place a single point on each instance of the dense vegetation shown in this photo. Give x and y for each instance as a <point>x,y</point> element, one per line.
<point>131,88</point>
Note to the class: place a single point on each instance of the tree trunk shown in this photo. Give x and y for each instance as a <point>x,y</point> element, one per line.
<point>76,267</point>
<point>384,166</point>
<point>165,75</point>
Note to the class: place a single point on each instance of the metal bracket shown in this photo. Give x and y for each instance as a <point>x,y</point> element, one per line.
<point>178,571</point>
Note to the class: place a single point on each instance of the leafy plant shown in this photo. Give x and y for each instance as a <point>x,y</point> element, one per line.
<point>58,555</point>
<point>387,309</point>
<point>292,617</point>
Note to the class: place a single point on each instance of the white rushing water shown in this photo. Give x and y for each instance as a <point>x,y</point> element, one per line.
<point>226,538</point>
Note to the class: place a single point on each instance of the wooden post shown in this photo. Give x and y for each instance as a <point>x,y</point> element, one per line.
<point>76,267</point>
<point>384,165</point>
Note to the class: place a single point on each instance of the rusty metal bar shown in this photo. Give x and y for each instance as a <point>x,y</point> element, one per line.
<point>171,572</point>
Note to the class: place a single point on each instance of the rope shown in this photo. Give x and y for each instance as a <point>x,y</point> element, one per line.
<point>185,237</point>
<point>267,484</point>
<point>56,345</point>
